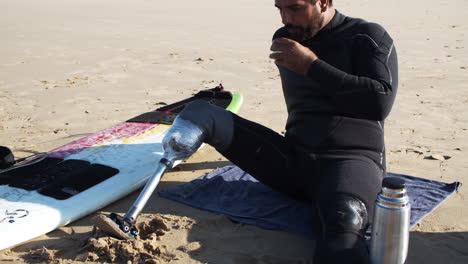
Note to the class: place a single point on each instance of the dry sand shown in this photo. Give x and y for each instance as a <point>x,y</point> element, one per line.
<point>68,68</point>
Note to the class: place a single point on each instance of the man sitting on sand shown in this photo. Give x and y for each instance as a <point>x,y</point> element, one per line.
<point>339,77</point>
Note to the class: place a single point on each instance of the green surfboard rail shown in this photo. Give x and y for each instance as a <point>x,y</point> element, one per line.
<point>236,102</point>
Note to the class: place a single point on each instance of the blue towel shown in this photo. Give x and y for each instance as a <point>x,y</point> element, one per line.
<point>239,196</point>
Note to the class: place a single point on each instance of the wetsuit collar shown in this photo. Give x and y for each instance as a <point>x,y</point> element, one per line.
<point>337,20</point>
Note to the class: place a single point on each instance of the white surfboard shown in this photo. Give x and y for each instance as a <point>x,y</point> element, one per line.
<point>81,177</point>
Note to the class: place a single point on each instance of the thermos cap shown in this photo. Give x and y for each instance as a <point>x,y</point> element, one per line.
<point>393,183</point>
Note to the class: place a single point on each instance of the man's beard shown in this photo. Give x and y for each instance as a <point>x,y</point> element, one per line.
<point>304,33</point>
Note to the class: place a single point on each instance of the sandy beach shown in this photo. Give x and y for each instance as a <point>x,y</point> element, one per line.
<point>72,68</point>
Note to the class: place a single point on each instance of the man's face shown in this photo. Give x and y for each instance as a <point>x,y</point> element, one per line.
<point>301,18</point>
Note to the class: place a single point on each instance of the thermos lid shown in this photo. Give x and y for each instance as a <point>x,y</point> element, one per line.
<point>393,183</point>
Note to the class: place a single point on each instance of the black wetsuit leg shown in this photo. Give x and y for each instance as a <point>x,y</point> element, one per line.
<point>266,155</point>
<point>256,149</point>
<point>344,203</point>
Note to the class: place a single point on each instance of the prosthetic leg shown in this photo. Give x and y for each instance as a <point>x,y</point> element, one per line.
<point>181,141</point>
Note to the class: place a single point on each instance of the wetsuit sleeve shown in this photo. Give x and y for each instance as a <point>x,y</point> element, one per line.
<point>369,91</point>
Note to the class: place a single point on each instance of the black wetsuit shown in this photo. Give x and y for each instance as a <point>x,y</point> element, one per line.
<point>333,150</point>
<point>339,107</point>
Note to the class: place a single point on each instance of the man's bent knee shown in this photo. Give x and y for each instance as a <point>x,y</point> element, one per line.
<point>345,213</point>
<point>344,222</point>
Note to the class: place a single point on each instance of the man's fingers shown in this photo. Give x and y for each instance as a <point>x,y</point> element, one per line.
<point>284,41</point>
<point>276,47</point>
<point>276,54</point>
<point>281,44</point>
<point>279,62</point>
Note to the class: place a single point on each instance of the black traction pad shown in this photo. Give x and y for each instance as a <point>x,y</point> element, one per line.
<point>155,117</point>
<point>166,114</point>
<point>57,178</point>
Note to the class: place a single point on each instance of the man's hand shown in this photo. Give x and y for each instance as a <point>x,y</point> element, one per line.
<point>292,55</point>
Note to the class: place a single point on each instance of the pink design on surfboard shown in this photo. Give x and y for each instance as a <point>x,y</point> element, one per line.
<point>120,131</point>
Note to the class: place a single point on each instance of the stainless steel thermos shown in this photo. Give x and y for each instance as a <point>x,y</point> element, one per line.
<point>390,228</point>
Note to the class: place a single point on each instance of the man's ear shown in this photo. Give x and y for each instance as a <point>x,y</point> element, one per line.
<point>324,4</point>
